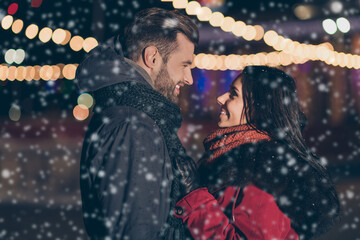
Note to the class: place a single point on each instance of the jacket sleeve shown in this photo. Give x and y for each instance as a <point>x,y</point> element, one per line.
<point>131,184</point>
<point>206,220</point>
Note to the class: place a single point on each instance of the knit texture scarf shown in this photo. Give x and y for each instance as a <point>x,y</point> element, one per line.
<point>224,139</point>
<point>168,118</point>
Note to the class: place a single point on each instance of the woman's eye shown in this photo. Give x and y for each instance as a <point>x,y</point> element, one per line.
<point>233,94</point>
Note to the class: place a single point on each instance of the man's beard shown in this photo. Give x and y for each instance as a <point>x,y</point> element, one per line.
<point>165,85</point>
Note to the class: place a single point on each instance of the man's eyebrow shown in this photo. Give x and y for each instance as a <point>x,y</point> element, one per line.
<point>187,62</point>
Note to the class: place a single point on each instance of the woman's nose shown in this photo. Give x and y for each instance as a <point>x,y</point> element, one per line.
<point>222,99</point>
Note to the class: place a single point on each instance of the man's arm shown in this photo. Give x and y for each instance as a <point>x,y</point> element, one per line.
<point>132,183</point>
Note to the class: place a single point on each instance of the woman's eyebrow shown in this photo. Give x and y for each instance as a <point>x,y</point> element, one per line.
<point>232,87</point>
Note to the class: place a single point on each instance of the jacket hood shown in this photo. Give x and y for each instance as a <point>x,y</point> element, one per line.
<point>106,65</point>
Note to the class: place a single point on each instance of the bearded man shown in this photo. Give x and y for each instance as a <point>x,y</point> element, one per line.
<point>133,166</point>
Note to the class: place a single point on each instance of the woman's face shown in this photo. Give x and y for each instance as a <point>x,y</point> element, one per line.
<point>232,106</point>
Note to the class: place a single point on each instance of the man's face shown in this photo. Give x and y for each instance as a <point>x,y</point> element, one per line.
<point>176,72</point>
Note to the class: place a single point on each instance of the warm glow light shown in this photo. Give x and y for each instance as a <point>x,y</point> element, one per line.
<point>343,25</point>
<point>46,72</point>
<point>17,26</point>
<point>81,112</point>
<point>259,32</point>
<point>180,4</point>
<point>30,73</point>
<point>304,12</point>
<point>12,73</point>
<point>193,7</point>
<point>20,73</point>
<point>69,71</point>
<point>238,28</point>
<point>228,24</point>
<point>216,19</point>
<point>7,21</point>
<point>31,31</point>
<point>67,38</point>
<point>204,14</point>
<point>59,36</point>
<point>329,26</point>
<point>250,33</point>
<point>56,73</point>
<point>89,44</point>
<point>86,100</point>
<point>271,38</point>
<point>45,34</point>
<point>76,43</point>
<point>4,70</point>
<point>37,72</point>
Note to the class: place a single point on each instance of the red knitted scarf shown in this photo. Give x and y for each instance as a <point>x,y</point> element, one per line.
<point>225,139</point>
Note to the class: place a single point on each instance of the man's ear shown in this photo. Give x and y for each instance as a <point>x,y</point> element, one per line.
<point>151,56</point>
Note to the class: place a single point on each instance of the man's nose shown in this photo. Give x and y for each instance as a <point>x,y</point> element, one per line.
<point>188,79</point>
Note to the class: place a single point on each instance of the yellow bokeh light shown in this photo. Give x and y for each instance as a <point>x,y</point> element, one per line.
<point>250,33</point>
<point>259,32</point>
<point>76,43</point>
<point>59,36</point>
<point>204,14</point>
<point>17,26</point>
<point>12,73</point>
<point>86,100</point>
<point>6,22</point>
<point>180,4</point>
<point>30,73</point>
<point>45,34</point>
<point>37,72</point>
<point>228,24</point>
<point>80,112</point>
<point>67,38</point>
<point>193,8</point>
<point>31,31</point>
<point>89,44</point>
<point>238,28</point>
<point>69,71</point>
<point>20,73</point>
<point>46,72</point>
<point>216,19</point>
<point>4,71</point>
<point>271,38</point>
<point>56,73</point>
<point>198,59</point>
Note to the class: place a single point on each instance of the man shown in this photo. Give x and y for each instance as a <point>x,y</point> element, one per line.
<point>133,166</point>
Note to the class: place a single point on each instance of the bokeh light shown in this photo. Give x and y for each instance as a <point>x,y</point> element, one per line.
<point>45,34</point>
<point>76,43</point>
<point>15,113</point>
<point>10,56</point>
<point>90,43</point>
<point>193,8</point>
<point>67,38</point>
<point>36,3</point>
<point>69,71</point>
<point>329,26</point>
<point>180,4</point>
<point>17,26</point>
<point>343,25</point>
<point>204,14</point>
<point>12,9</point>
<point>19,56</point>
<point>238,28</point>
<point>216,19</point>
<point>58,36</point>
<point>80,112</point>
<point>86,100</point>
<point>31,31</point>
<point>7,21</point>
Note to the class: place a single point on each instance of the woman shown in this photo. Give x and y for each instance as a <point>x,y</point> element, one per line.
<point>264,181</point>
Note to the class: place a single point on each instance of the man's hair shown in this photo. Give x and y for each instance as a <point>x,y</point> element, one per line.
<point>158,27</point>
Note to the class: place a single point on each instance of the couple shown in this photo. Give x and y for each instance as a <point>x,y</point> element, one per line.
<point>257,179</point>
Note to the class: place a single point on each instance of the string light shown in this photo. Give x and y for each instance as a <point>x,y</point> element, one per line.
<point>46,72</point>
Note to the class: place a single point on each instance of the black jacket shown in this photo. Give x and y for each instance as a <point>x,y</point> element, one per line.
<point>125,167</point>
<point>302,190</point>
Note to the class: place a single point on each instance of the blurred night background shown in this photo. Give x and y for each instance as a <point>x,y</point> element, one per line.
<point>41,134</point>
